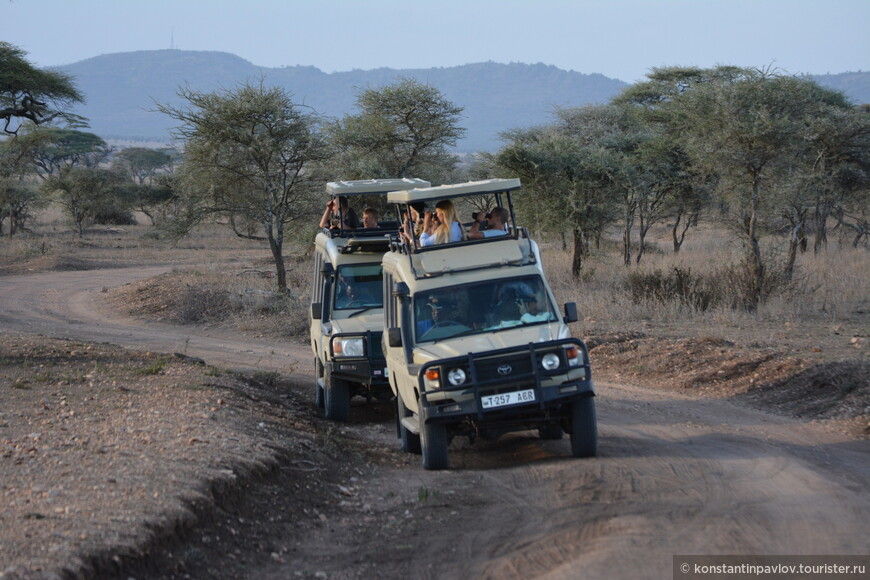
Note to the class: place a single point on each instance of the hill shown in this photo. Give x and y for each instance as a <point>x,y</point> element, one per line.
<point>121,90</point>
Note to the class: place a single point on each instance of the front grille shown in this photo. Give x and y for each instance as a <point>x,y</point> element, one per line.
<point>518,365</point>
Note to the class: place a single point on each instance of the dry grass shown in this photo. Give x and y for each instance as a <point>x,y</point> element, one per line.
<point>827,304</point>
<point>234,296</point>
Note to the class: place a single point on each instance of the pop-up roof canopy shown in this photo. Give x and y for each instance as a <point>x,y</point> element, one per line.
<point>487,186</point>
<point>373,186</point>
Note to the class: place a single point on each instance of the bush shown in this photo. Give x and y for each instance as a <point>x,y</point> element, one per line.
<point>731,286</point>
<point>698,291</point>
<point>114,217</point>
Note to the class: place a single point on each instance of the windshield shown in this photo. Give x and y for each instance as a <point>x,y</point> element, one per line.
<point>483,307</point>
<point>358,286</point>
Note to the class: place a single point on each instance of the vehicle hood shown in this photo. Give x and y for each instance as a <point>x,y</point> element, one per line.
<point>361,323</point>
<point>478,343</point>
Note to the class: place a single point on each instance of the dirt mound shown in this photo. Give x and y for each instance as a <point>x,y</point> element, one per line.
<point>762,377</point>
<point>131,443</point>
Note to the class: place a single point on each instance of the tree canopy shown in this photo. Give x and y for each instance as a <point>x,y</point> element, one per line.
<point>402,130</point>
<point>36,95</point>
<point>250,154</point>
<point>773,150</point>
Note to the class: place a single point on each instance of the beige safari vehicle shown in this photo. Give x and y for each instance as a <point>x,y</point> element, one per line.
<point>473,340</point>
<point>346,320</point>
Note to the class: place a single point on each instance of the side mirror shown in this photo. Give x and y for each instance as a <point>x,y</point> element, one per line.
<point>327,269</point>
<point>401,289</point>
<point>571,312</point>
<point>316,310</point>
<point>394,337</point>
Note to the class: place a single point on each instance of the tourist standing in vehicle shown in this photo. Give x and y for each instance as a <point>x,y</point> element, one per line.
<point>449,230</point>
<point>497,220</point>
<point>349,220</point>
<point>371,217</point>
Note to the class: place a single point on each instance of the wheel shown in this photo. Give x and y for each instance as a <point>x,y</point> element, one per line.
<point>550,431</point>
<point>318,389</point>
<point>336,399</point>
<point>584,428</point>
<point>410,441</point>
<point>433,440</point>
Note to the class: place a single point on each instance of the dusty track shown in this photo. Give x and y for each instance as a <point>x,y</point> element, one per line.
<point>676,475</point>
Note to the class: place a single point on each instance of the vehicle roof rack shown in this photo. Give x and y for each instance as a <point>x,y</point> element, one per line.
<point>374,186</point>
<point>487,186</point>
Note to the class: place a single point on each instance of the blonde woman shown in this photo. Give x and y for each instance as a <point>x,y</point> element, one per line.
<point>448,230</point>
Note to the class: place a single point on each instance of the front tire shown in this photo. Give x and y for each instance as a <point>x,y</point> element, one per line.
<point>434,443</point>
<point>336,400</point>
<point>584,428</point>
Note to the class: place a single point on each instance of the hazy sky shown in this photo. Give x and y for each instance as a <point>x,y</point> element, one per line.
<point>621,39</point>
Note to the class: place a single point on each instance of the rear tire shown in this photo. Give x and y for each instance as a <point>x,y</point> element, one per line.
<point>584,428</point>
<point>410,441</point>
<point>433,440</point>
<point>336,400</point>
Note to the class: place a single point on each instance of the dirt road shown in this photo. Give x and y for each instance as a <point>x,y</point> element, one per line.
<point>675,475</point>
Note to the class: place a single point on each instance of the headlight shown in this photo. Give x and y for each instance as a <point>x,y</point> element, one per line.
<point>433,378</point>
<point>456,377</point>
<point>574,356</point>
<point>550,361</point>
<point>349,347</point>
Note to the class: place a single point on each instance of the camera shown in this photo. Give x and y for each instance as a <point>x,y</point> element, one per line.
<point>477,213</point>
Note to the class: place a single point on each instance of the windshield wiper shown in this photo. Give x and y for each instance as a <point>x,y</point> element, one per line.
<point>365,309</point>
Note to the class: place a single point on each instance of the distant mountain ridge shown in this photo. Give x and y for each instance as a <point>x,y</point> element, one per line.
<point>121,90</point>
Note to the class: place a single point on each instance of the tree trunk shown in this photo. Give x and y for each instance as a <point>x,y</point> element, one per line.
<point>678,238</point>
<point>276,244</point>
<point>626,237</point>
<point>642,231</point>
<point>755,248</point>
<point>580,251</point>
<point>820,220</point>
<point>793,245</point>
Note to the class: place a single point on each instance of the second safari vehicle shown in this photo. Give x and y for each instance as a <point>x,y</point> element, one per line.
<point>346,317</point>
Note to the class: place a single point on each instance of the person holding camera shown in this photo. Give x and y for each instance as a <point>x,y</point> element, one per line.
<point>442,226</point>
<point>497,221</point>
<point>337,208</point>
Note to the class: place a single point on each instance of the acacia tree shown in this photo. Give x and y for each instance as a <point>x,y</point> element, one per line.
<point>402,130</point>
<point>85,193</point>
<point>142,163</point>
<point>569,176</point>
<point>31,94</point>
<point>249,152</point>
<point>51,149</point>
<point>678,188</point>
<point>837,165</point>
<point>749,131</point>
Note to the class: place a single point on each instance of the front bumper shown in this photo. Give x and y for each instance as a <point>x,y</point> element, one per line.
<point>553,390</point>
<point>370,369</point>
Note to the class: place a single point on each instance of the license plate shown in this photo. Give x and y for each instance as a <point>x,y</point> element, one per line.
<point>506,399</point>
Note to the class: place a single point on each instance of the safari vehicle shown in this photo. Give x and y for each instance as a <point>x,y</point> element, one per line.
<point>347,302</point>
<point>473,340</point>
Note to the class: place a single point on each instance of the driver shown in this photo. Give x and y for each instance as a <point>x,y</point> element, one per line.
<point>436,306</point>
<point>352,293</point>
